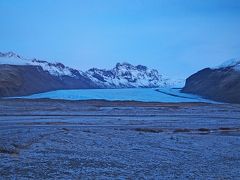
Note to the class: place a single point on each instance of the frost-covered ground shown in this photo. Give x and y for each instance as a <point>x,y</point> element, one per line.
<point>135,94</point>
<point>58,139</point>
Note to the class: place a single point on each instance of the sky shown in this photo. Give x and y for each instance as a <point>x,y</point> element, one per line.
<point>176,37</point>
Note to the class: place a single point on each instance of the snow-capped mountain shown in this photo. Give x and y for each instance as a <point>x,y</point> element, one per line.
<point>221,83</point>
<point>34,75</point>
<point>55,69</point>
<point>122,75</point>
<point>127,75</point>
<point>230,64</point>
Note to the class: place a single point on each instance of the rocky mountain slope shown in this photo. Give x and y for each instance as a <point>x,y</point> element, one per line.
<point>21,76</point>
<point>126,75</point>
<point>221,83</point>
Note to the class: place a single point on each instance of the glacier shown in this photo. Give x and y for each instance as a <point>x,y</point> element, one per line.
<point>126,94</point>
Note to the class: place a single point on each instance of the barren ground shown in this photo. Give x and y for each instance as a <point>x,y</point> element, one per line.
<point>101,139</point>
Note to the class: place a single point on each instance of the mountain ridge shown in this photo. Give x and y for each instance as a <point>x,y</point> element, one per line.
<point>221,83</point>
<point>58,76</point>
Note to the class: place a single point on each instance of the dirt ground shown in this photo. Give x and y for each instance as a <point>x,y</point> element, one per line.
<point>58,139</point>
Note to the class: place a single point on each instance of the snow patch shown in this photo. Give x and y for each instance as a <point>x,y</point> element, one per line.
<point>55,69</point>
<point>232,63</point>
<point>122,75</point>
<point>127,75</point>
<point>12,59</point>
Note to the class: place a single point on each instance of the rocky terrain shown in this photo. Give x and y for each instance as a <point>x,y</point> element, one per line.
<point>21,76</point>
<point>127,75</point>
<point>26,79</point>
<point>58,139</point>
<point>221,83</point>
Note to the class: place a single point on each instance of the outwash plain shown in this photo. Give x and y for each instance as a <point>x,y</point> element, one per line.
<point>97,139</point>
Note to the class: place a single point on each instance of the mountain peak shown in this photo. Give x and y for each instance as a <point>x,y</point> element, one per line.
<point>127,75</point>
<point>123,75</point>
<point>233,63</point>
<point>56,69</point>
<point>12,58</point>
<point>130,66</point>
<point>141,67</point>
<point>9,54</point>
<point>124,65</point>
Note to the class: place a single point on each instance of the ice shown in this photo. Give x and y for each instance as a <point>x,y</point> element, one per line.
<point>135,94</point>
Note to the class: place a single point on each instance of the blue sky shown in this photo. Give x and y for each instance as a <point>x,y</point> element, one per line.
<point>177,37</point>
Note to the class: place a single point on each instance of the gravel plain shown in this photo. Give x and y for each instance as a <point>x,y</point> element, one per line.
<point>97,139</point>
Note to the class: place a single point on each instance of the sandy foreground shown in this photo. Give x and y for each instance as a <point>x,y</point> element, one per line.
<point>47,139</point>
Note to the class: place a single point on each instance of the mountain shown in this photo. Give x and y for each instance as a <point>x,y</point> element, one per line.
<point>20,76</point>
<point>55,69</point>
<point>221,83</point>
<point>126,75</point>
